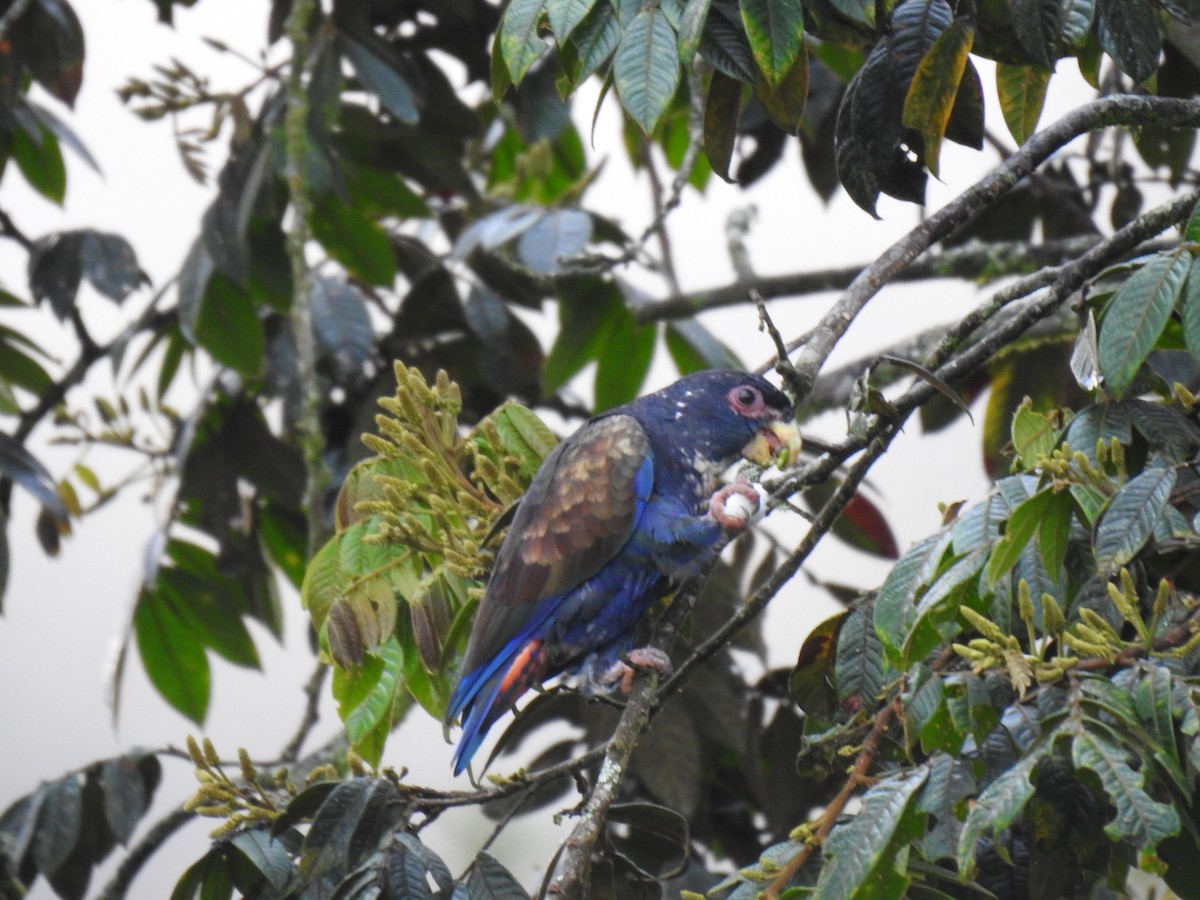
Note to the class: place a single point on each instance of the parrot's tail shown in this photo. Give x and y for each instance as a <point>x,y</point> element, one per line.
<point>486,694</point>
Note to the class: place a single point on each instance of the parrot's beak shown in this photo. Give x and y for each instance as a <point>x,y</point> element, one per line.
<point>775,442</point>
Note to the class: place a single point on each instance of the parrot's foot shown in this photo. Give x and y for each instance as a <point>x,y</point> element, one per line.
<point>732,506</point>
<point>621,673</point>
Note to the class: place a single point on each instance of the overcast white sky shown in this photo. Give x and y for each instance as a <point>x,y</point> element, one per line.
<point>60,614</point>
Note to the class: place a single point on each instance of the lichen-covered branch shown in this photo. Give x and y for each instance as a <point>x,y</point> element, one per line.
<point>297,142</point>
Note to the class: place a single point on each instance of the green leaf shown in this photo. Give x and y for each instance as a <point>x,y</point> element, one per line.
<point>624,362</point>
<point>864,849</point>
<point>1136,316</point>
<point>1140,818</point>
<point>775,29</point>
<point>588,311</point>
<point>693,348</point>
<point>1054,533</point>
<point>998,806</point>
<point>229,328</point>
<point>895,612</point>
<point>1021,527</point>
<point>1034,435</point>
<point>41,162</point>
<point>1190,308</point>
<point>489,880</point>
<point>565,15</point>
<point>691,28</point>
<point>269,856</point>
<point>366,698</point>
<point>934,89</point>
<point>519,40</point>
<point>860,670</point>
<point>172,654</point>
<point>646,67</point>
<point>1022,93</point>
<point>937,610</point>
<point>1129,33</point>
<point>524,435</point>
<point>595,39</point>
<point>1129,520</point>
<point>380,77</point>
<point>360,244</point>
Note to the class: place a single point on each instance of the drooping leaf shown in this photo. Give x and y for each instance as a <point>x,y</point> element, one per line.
<point>489,880</point>
<point>341,326</point>
<point>646,67</point>
<point>691,27</point>
<point>1136,316</point>
<point>229,328</point>
<point>624,361</point>
<point>1038,24</point>
<point>1022,525</point>
<point>934,89</point>
<point>519,41</point>
<point>693,347</point>
<point>380,76</point>
<point>360,244</point>
<point>172,655</point>
<point>997,807</point>
<point>565,15</point>
<point>721,110</point>
<point>1128,32</point>
<point>775,29</point>
<point>1022,93</point>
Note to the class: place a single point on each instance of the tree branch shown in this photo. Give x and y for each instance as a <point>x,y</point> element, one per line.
<point>141,852</point>
<point>996,259</point>
<point>295,125</point>
<point>815,346</point>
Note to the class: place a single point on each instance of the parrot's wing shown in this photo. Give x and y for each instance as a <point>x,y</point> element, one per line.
<point>579,511</point>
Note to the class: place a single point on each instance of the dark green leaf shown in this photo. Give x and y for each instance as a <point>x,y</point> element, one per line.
<point>565,15</point>
<point>997,807</point>
<point>60,823</point>
<point>358,243</point>
<point>693,347</point>
<point>860,670</point>
<point>488,880</point>
<point>341,326</point>
<point>1131,516</point>
<point>624,361</point>
<point>518,38</point>
<point>268,855</point>
<point>173,655</point>
<point>128,783</point>
<point>1190,308</point>
<point>1038,24</point>
<point>1140,818</point>
<point>596,38</point>
<point>654,837</point>
<point>380,77</point>
<point>229,328</point>
<point>646,67</point>
<point>24,469</point>
<point>895,611</point>
<point>861,850</point>
<point>1128,32</point>
<point>40,160</point>
<point>1136,316</point>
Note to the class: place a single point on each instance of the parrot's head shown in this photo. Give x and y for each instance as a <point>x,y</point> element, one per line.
<point>717,415</point>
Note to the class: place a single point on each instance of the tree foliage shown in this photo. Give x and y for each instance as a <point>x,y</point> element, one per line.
<point>1015,709</point>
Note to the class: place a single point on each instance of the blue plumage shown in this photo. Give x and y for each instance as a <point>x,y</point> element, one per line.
<point>617,513</point>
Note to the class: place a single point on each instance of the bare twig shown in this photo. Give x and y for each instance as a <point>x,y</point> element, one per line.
<point>312,693</point>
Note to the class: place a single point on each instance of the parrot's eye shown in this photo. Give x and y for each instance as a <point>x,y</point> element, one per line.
<point>746,399</point>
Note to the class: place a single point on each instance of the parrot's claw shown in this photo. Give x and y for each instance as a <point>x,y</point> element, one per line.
<point>732,506</point>
<point>621,673</point>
